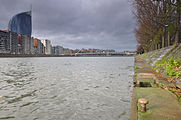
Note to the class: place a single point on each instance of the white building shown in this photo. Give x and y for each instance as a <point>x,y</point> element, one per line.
<point>48,46</point>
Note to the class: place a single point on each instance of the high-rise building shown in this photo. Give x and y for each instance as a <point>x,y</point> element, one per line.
<point>8,42</point>
<point>13,42</point>
<point>20,44</point>
<point>43,49</point>
<point>32,50</point>
<point>26,44</point>
<point>20,27</point>
<point>21,23</point>
<point>4,42</point>
<point>37,46</point>
<point>57,50</point>
<point>48,46</point>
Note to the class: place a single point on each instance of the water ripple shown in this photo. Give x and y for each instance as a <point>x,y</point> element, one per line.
<point>89,88</point>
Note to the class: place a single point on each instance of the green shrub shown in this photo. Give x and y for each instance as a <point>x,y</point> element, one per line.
<point>150,61</point>
<point>137,67</point>
<point>169,64</point>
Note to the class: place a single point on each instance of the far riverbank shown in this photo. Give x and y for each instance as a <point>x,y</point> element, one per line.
<point>32,55</point>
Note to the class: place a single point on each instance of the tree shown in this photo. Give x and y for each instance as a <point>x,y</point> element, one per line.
<point>158,23</point>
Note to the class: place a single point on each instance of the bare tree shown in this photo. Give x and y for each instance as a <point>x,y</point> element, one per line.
<point>158,23</point>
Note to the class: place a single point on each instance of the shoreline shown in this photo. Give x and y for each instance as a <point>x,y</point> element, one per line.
<point>29,55</point>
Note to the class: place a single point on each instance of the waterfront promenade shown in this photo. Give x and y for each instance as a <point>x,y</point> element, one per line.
<point>163,104</point>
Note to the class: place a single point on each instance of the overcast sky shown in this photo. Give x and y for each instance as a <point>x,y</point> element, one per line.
<point>103,24</point>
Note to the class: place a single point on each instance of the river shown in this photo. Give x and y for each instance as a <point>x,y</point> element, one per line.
<point>66,88</point>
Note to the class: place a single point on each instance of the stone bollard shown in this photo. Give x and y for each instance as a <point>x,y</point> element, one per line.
<point>138,84</point>
<point>154,81</point>
<point>143,103</point>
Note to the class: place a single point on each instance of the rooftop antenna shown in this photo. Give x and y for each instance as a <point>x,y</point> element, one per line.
<point>31,9</point>
<point>31,16</point>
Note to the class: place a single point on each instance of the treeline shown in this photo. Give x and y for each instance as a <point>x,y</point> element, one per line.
<point>158,23</point>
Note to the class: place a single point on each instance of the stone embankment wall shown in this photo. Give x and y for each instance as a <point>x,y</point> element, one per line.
<point>166,61</point>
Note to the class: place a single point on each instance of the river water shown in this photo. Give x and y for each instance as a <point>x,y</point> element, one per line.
<point>66,88</point>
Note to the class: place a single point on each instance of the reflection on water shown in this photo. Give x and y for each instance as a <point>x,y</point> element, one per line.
<point>97,88</point>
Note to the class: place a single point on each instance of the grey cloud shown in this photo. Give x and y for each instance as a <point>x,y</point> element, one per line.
<point>77,23</point>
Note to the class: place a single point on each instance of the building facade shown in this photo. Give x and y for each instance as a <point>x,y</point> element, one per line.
<point>66,51</point>
<point>4,42</point>
<point>57,50</point>
<point>32,51</point>
<point>8,42</point>
<point>21,23</point>
<point>26,44</point>
<point>48,46</point>
<point>38,46</point>
<point>13,42</point>
<point>17,40</point>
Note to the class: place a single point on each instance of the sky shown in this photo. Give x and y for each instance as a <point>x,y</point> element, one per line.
<point>101,24</point>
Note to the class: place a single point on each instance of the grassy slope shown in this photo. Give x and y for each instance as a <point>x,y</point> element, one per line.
<point>166,61</point>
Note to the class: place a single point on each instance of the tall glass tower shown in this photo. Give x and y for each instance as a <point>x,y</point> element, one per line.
<point>21,23</point>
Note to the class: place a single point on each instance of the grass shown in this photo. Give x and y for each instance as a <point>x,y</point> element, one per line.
<point>150,61</point>
<point>171,66</point>
<point>137,67</point>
